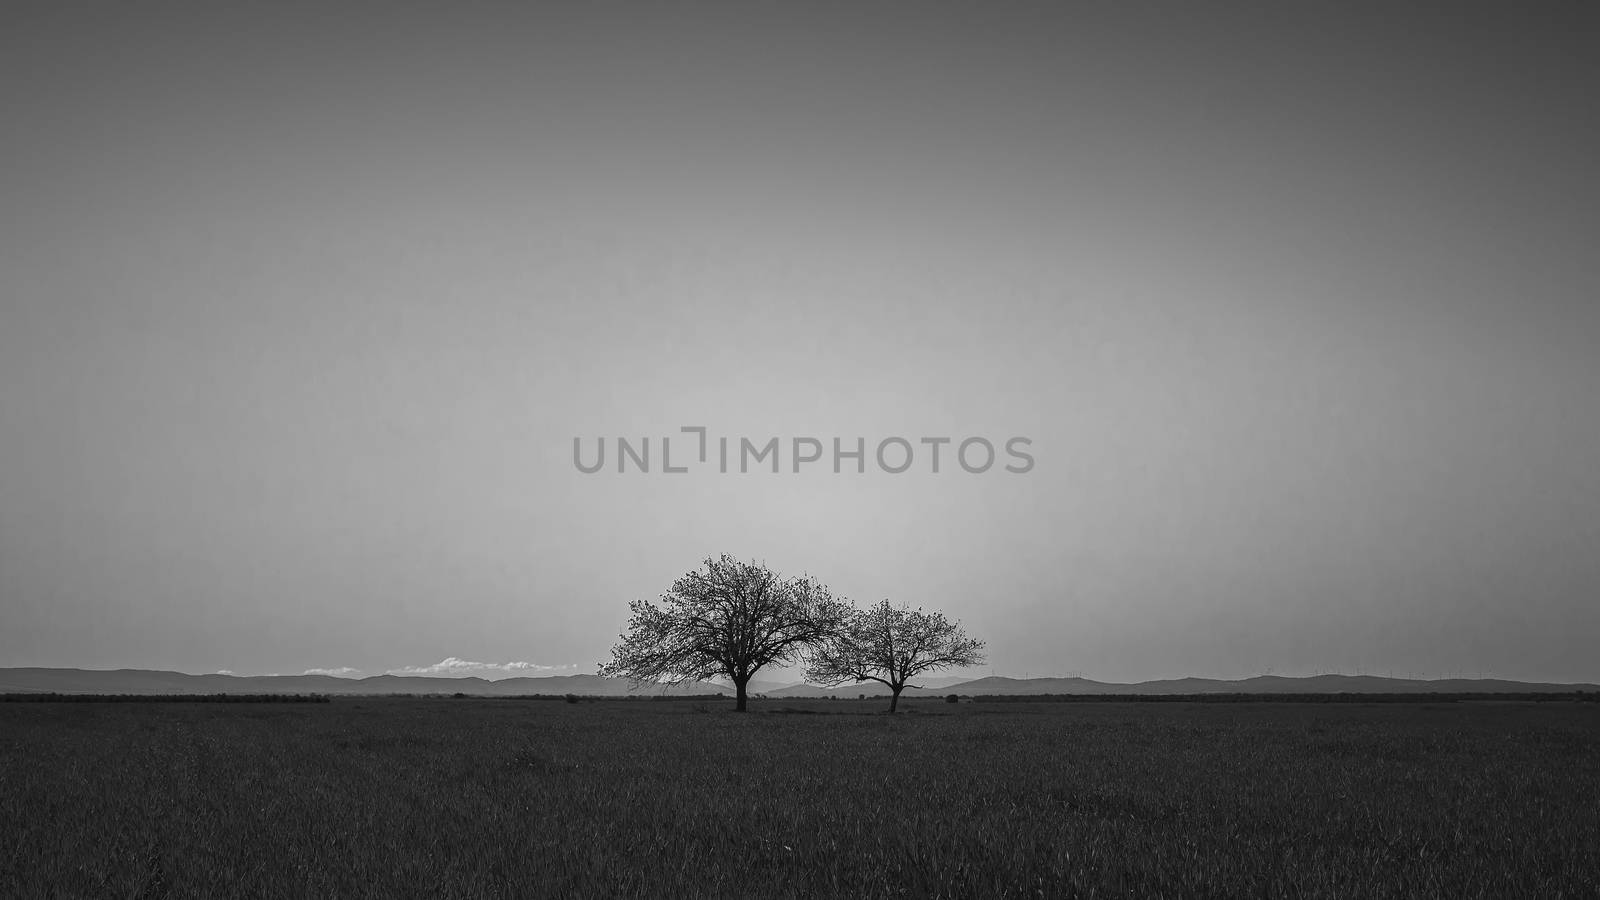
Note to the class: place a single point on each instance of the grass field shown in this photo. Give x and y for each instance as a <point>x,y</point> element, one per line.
<point>506,798</point>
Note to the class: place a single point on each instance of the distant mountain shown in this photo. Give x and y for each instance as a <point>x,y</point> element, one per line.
<point>929,686</point>
<point>1261,684</point>
<point>1000,684</point>
<point>756,686</point>
<point>870,688</point>
<point>143,681</point>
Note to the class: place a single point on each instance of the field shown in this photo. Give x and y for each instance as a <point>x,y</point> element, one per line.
<point>540,798</point>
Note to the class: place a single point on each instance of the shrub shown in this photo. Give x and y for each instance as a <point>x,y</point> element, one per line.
<point>952,698</point>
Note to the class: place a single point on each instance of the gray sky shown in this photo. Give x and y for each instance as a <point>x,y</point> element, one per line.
<point>302,305</point>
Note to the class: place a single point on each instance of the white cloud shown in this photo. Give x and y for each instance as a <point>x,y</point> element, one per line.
<point>340,672</point>
<point>455,667</point>
<point>224,672</point>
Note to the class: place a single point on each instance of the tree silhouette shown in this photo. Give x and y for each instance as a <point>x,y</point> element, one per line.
<point>892,645</point>
<point>727,620</point>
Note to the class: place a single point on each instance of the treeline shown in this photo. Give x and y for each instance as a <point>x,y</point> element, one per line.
<point>568,698</point>
<point>52,697</point>
<point>1536,696</point>
<point>163,698</point>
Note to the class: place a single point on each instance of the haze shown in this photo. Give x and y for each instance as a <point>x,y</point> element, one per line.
<point>301,310</point>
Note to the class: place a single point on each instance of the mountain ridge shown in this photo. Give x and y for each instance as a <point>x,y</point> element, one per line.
<point>33,679</point>
<point>153,681</point>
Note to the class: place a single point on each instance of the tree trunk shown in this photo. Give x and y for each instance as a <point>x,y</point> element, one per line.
<point>739,694</point>
<point>894,698</point>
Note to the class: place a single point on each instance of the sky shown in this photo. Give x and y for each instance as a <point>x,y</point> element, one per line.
<point>303,306</point>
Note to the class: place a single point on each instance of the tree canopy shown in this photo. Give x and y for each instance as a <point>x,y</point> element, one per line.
<point>729,619</point>
<point>891,645</point>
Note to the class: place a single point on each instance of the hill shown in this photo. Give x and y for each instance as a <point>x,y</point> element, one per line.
<point>145,681</point>
<point>927,686</point>
<point>1260,684</point>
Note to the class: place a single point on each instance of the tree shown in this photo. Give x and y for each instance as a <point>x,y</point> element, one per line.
<point>728,620</point>
<point>892,645</point>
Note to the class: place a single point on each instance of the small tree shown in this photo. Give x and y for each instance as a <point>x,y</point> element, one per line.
<point>728,620</point>
<point>892,645</point>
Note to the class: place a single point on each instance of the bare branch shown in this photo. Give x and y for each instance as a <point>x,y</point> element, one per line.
<point>729,619</point>
<point>892,645</point>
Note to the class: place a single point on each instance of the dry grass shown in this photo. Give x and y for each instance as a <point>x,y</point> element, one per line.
<point>497,798</point>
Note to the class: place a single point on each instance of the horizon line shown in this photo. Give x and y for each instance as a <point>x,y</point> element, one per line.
<point>1417,677</point>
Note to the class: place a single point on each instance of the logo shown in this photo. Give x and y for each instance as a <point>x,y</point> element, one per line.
<point>698,450</point>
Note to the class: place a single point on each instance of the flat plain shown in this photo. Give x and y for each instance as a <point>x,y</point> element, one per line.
<point>397,797</point>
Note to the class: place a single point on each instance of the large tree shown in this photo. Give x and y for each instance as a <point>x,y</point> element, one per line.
<point>726,620</point>
<point>892,645</point>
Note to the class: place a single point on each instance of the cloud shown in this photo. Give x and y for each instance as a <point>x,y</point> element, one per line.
<point>224,672</point>
<point>455,667</point>
<point>340,672</point>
